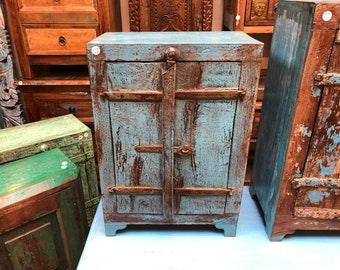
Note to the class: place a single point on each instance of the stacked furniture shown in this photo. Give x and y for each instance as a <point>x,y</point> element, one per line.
<point>49,47</point>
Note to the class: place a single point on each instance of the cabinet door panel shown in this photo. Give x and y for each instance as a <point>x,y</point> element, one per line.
<point>136,124</point>
<point>135,76</point>
<point>137,137</point>
<point>207,126</point>
<point>208,75</point>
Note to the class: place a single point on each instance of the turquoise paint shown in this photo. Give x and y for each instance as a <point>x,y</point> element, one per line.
<point>327,170</point>
<point>288,51</point>
<point>305,132</point>
<point>316,92</point>
<point>315,197</point>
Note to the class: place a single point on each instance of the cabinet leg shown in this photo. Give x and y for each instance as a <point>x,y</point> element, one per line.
<point>228,228</point>
<point>111,228</point>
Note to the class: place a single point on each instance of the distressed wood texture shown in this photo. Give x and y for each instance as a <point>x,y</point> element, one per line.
<point>173,122</point>
<point>66,133</point>
<point>296,174</point>
<point>43,223</point>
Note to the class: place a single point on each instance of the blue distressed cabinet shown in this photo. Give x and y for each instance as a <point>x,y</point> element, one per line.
<point>296,172</point>
<point>173,118</point>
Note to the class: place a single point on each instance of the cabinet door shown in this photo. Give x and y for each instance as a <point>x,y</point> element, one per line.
<point>318,190</point>
<point>172,129</point>
<point>136,128</point>
<point>206,101</point>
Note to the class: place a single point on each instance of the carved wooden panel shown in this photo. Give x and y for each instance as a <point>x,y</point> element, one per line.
<point>170,15</point>
<point>260,12</point>
<point>10,108</point>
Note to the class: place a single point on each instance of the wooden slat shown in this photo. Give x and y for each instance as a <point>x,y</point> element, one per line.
<point>210,94</point>
<point>203,191</point>
<point>134,95</point>
<point>133,190</point>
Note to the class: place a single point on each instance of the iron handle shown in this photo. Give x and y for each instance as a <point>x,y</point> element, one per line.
<point>184,150</point>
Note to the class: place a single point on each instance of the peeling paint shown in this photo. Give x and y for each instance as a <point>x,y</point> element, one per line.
<point>315,197</point>
<point>302,130</point>
<point>326,170</point>
<point>316,92</point>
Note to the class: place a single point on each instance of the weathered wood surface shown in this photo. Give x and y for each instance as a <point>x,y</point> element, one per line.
<point>173,115</point>
<point>43,222</point>
<point>66,133</point>
<point>298,135</point>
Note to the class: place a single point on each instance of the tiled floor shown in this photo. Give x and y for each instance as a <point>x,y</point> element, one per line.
<point>197,247</point>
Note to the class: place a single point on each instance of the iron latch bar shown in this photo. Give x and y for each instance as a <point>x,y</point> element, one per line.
<point>327,79</point>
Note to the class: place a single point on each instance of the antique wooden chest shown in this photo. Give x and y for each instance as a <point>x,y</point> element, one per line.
<point>173,116</point>
<point>43,222</point>
<point>66,133</point>
<point>296,174</point>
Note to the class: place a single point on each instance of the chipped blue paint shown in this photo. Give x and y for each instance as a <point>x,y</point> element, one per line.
<point>327,170</point>
<point>305,132</point>
<point>315,197</point>
<point>333,135</point>
<point>316,92</point>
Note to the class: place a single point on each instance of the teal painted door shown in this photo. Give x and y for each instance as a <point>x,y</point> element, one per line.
<point>172,155</point>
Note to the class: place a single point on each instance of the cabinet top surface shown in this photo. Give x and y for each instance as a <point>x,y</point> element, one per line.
<point>35,174</point>
<point>41,131</point>
<point>189,46</point>
<point>223,37</point>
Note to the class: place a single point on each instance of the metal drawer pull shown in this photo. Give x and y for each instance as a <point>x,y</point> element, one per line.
<point>184,150</point>
<point>62,41</point>
<point>72,109</point>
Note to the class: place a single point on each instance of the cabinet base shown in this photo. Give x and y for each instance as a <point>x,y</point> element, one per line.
<point>229,230</point>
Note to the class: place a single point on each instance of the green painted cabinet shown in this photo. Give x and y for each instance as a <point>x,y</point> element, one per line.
<point>43,222</point>
<point>66,133</point>
<point>173,116</point>
<point>296,172</point>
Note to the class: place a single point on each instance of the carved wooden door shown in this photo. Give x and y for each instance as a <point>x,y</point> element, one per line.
<point>173,128</point>
<point>170,15</point>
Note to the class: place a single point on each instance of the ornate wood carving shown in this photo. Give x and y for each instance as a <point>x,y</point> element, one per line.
<point>259,10</point>
<point>207,15</point>
<point>134,15</point>
<point>10,108</point>
<point>170,15</point>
